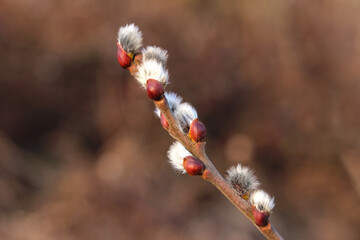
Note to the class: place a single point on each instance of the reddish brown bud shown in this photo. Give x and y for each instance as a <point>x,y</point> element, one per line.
<point>193,166</point>
<point>123,58</point>
<point>261,218</point>
<point>197,130</point>
<point>155,89</point>
<point>163,121</point>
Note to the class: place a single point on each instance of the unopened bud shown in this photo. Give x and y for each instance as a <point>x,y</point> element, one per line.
<point>163,121</point>
<point>262,204</point>
<point>193,166</point>
<point>123,58</point>
<point>197,130</point>
<point>261,218</point>
<point>155,89</point>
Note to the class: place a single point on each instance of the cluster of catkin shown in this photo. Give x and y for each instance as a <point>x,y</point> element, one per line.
<point>148,66</point>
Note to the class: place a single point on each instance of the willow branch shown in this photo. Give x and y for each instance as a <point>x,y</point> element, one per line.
<point>148,69</point>
<point>211,174</point>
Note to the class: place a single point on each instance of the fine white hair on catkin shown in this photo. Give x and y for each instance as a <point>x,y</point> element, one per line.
<point>151,69</point>
<point>176,154</point>
<point>173,101</point>
<point>184,115</point>
<point>155,53</point>
<point>262,201</point>
<point>130,38</point>
<point>242,179</point>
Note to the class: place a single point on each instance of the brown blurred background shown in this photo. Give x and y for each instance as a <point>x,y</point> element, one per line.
<point>82,155</point>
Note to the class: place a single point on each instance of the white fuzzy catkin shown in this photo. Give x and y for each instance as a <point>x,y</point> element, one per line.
<point>176,154</point>
<point>155,53</point>
<point>242,179</point>
<point>173,101</point>
<point>152,69</point>
<point>262,201</point>
<point>130,38</point>
<point>184,115</point>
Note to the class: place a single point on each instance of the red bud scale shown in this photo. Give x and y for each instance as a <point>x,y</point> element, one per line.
<point>155,89</point>
<point>123,58</point>
<point>261,218</point>
<point>163,121</point>
<point>197,130</point>
<point>193,166</point>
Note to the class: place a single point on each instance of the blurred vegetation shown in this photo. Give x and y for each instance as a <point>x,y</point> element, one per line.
<point>83,157</point>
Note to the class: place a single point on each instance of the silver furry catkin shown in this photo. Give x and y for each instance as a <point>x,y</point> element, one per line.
<point>130,38</point>
<point>242,179</point>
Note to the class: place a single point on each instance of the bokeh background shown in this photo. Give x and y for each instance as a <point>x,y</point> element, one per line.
<point>82,155</point>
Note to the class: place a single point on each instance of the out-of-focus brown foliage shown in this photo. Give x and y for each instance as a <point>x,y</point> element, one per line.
<point>82,156</point>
